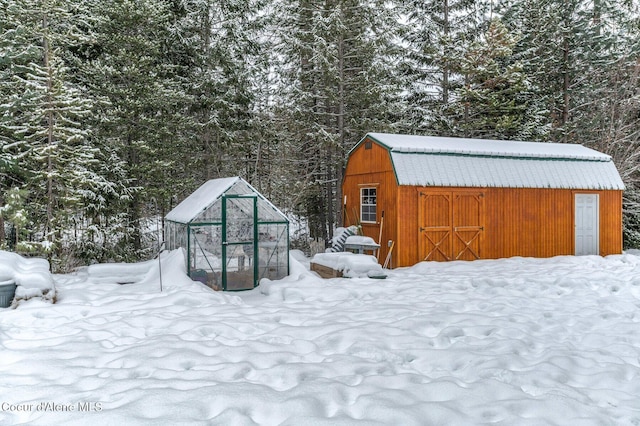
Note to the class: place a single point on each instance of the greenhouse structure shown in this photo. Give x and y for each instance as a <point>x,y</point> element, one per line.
<point>233,236</point>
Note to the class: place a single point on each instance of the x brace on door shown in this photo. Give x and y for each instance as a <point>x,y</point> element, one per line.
<point>467,244</point>
<point>436,246</point>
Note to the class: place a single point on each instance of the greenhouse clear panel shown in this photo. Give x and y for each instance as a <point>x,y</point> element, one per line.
<point>273,251</point>
<point>205,256</point>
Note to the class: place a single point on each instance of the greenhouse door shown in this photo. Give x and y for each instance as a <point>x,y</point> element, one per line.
<point>239,248</point>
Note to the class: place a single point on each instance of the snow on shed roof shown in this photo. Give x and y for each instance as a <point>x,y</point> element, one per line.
<point>439,161</point>
<point>200,199</point>
<point>467,171</point>
<point>486,147</point>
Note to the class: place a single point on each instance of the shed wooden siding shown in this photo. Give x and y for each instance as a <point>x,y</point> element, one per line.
<point>372,168</point>
<point>516,221</point>
<point>541,222</point>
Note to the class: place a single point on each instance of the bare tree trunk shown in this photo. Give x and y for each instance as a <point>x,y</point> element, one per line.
<point>597,16</point>
<point>3,236</point>
<point>50,125</point>
<point>134,204</point>
<point>208,149</point>
<point>565,86</point>
<point>328,175</point>
<point>466,108</point>
<point>445,70</point>
<point>566,83</point>
<point>341,131</point>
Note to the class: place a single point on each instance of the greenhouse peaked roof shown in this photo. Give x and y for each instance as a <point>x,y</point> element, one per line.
<point>201,199</point>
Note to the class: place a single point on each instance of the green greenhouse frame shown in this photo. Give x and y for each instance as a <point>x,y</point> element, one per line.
<point>233,236</point>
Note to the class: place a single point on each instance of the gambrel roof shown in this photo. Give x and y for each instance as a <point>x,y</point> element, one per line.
<point>442,161</point>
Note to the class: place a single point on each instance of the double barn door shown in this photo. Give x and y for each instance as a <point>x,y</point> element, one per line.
<point>451,224</point>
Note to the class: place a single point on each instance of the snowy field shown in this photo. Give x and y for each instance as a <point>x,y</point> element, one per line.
<point>509,342</point>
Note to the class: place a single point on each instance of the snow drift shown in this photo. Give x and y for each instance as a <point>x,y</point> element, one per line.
<point>510,342</point>
<point>31,275</point>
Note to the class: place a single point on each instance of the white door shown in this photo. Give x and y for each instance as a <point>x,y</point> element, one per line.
<point>587,224</point>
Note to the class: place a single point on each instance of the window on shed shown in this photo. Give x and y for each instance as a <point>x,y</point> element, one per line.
<point>368,204</point>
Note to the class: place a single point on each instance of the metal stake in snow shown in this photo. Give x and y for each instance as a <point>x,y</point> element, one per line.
<point>160,244</point>
<point>160,263</point>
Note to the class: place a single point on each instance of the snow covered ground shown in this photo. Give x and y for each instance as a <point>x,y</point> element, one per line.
<point>510,342</point>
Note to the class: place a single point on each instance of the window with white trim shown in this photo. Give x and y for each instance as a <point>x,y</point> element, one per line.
<point>368,204</point>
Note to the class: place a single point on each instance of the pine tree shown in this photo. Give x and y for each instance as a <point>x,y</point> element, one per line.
<point>223,38</point>
<point>44,117</point>
<point>496,100</point>
<point>583,59</point>
<point>15,213</point>
<point>135,68</point>
<point>339,84</point>
<point>437,33</point>
<point>15,47</point>
<point>564,44</point>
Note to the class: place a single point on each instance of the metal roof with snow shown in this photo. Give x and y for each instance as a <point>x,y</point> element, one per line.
<point>444,161</point>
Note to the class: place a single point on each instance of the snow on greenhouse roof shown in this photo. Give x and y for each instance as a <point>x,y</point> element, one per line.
<point>441,161</point>
<point>201,204</point>
<point>200,199</point>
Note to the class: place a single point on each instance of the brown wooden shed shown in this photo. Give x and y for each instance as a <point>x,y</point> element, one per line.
<point>465,199</point>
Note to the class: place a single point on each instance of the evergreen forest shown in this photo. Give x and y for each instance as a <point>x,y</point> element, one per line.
<point>113,111</point>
